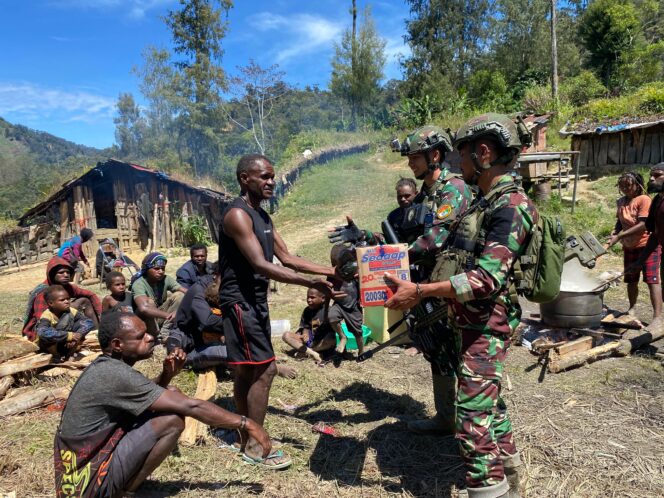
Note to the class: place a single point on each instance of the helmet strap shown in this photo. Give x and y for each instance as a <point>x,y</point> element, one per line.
<point>476,162</point>
<point>432,166</point>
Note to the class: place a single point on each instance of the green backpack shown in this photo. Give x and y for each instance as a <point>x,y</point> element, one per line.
<point>538,271</point>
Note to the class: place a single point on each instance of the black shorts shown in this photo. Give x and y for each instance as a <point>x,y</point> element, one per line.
<point>248,334</point>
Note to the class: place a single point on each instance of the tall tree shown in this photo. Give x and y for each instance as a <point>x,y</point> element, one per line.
<point>609,30</point>
<point>357,66</point>
<point>129,126</point>
<point>197,29</point>
<point>446,38</point>
<point>257,89</point>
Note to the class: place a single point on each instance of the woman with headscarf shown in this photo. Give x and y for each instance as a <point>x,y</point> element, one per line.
<point>150,292</point>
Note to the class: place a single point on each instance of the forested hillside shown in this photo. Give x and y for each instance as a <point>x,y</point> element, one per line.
<point>32,162</point>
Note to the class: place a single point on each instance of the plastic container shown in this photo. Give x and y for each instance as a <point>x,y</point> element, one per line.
<point>350,338</point>
<point>379,319</point>
<point>278,327</point>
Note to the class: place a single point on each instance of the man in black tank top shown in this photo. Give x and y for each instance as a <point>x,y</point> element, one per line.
<point>247,243</point>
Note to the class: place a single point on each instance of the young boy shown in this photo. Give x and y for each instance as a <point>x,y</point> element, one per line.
<point>315,333</point>
<point>119,299</point>
<point>61,329</point>
<point>346,308</point>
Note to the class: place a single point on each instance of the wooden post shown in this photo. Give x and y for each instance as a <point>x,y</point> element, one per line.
<point>207,386</point>
<point>5,384</point>
<point>577,160</point>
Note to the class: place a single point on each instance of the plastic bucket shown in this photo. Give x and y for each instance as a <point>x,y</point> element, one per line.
<point>350,338</point>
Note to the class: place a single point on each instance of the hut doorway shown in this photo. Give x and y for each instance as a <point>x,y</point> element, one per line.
<point>102,195</point>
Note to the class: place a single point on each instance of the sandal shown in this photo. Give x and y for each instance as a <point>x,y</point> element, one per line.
<point>260,461</point>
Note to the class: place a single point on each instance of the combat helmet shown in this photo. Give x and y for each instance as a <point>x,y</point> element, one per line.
<point>426,138</point>
<point>509,135</point>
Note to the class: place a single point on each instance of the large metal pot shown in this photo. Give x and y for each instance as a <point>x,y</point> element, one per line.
<point>574,309</point>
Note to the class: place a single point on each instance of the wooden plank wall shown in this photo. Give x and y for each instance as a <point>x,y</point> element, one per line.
<point>27,245</point>
<point>614,152</point>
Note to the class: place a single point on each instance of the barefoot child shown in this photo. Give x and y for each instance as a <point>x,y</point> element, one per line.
<point>315,333</point>
<point>346,308</point>
<point>119,299</point>
<point>630,230</point>
<point>61,329</point>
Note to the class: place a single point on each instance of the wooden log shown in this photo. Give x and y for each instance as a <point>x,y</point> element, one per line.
<point>32,399</point>
<point>572,347</point>
<point>58,371</point>
<point>13,347</point>
<point>79,364</point>
<point>91,342</point>
<point>207,386</point>
<point>25,363</point>
<point>5,384</point>
<point>632,340</point>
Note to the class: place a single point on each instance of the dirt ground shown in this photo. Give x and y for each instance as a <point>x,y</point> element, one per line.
<point>597,431</point>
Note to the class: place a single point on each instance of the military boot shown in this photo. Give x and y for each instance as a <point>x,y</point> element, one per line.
<point>511,464</point>
<point>499,490</point>
<point>444,422</point>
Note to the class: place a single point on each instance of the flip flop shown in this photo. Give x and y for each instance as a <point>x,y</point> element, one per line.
<point>260,461</point>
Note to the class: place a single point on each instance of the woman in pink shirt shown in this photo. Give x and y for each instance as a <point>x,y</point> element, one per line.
<point>630,230</point>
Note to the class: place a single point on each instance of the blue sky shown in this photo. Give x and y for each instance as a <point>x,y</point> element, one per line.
<point>64,62</point>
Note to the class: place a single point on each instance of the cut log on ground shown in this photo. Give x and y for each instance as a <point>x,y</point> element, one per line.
<point>5,384</point>
<point>24,363</point>
<point>58,371</point>
<point>32,399</point>
<point>632,340</point>
<point>14,347</point>
<point>207,386</point>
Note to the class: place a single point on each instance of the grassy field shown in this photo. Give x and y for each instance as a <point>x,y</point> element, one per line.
<point>592,432</point>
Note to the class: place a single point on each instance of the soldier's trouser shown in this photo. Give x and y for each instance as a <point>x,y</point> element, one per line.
<point>484,430</point>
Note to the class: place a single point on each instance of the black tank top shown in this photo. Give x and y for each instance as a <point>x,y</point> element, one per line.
<point>239,282</point>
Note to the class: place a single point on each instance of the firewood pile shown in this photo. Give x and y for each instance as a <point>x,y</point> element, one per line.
<point>559,350</point>
<point>21,361</point>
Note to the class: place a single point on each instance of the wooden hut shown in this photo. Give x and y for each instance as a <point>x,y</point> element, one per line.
<point>136,206</point>
<point>605,149</point>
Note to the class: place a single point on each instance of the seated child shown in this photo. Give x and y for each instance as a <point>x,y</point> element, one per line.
<point>119,299</point>
<point>315,333</point>
<point>199,326</point>
<point>346,308</point>
<point>61,329</point>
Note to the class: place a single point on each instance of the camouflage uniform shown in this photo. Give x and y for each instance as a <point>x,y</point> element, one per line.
<point>446,200</point>
<point>483,317</point>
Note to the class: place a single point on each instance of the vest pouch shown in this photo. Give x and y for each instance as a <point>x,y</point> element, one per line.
<point>448,264</point>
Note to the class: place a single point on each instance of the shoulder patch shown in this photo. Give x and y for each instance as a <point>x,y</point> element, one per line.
<point>444,211</point>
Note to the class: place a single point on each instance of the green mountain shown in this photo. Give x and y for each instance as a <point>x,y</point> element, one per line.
<point>33,163</point>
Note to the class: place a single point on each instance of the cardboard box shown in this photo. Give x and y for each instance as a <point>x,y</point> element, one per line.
<point>373,262</point>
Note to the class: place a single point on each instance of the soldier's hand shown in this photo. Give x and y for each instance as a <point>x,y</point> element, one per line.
<point>405,296</point>
<point>348,233</point>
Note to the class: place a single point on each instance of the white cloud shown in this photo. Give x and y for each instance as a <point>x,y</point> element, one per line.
<point>305,33</point>
<point>134,9</point>
<point>27,100</point>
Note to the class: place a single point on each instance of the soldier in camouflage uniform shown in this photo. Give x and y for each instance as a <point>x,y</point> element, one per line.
<point>446,196</point>
<point>475,269</point>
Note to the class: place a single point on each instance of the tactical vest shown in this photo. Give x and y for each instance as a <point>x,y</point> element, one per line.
<point>468,237</point>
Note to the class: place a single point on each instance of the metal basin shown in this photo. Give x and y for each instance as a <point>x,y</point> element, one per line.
<point>574,309</point>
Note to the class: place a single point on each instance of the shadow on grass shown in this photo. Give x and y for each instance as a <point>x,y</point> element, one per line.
<point>420,465</point>
<point>163,489</point>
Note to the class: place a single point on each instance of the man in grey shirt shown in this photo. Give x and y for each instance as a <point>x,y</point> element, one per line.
<point>118,426</point>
